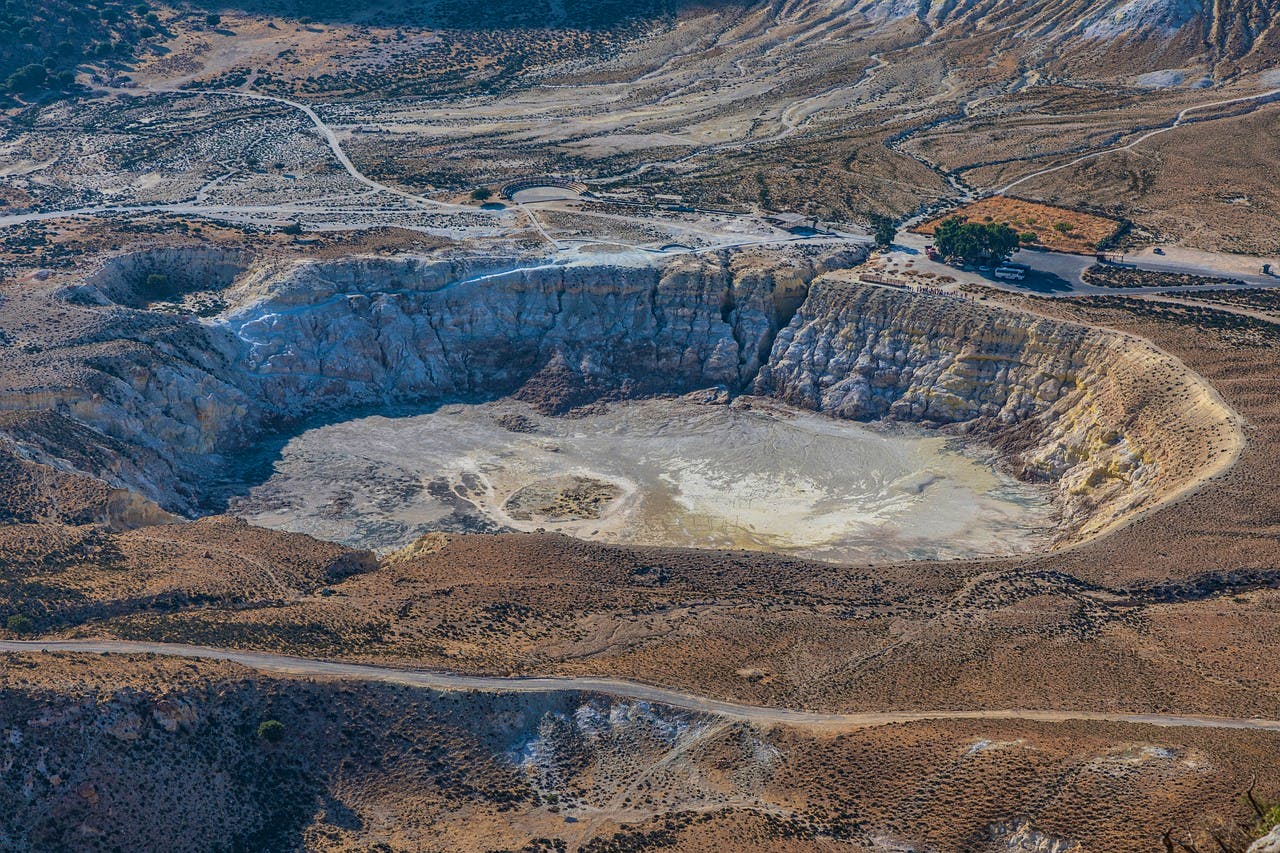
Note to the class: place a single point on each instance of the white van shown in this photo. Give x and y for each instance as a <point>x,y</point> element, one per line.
<point>1010,273</point>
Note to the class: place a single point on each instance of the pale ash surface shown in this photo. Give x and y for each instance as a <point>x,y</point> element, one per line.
<point>759,476</point>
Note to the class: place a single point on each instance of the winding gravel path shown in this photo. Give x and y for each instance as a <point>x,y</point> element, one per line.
<point>328,134</point>
<point>293,666</point>
<point>1178,121</point>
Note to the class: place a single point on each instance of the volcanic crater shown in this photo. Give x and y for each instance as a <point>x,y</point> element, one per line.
<point>740,399</point>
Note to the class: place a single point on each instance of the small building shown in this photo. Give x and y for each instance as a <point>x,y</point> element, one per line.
<point>796,223</point>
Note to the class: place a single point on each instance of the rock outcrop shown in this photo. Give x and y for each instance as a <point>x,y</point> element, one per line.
<point>1116,423</point>
<point>155,403</point>
<point>1269,843</point>
<point>373,331</point>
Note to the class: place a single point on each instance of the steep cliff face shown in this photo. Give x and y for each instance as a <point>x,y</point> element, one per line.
<point>870,352</point>
<point>369,331</point>
<point>155,403</point>
<point>316,337</point>
<point>1116,423</point>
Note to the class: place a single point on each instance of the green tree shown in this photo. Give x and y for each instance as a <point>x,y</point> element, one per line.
<point>293,228</point>
<point>213,19</point>
<point>973,242</point>
<point>271,731</point>
<point>481,194</point>
<point>1002,241</point>
<point>883,230</point>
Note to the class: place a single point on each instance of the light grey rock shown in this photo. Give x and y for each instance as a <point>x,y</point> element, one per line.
<point>1269,843</point>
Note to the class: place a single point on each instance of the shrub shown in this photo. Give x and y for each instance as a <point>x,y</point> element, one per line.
<point>292,228</point>
<point>213,19</point>
<point>271,731</point>
<point>19,624</point>
<point>154,285</point>
<point>27,79</point>
<point>1028,236</point>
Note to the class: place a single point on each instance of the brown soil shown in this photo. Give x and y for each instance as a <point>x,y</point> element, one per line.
<point>1048,223</point>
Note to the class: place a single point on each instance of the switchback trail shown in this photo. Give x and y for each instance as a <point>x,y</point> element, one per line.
<point>305,667</point>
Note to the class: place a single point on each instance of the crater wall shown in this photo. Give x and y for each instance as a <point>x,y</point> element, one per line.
<point>1116,423</point>
<point>372,331</point>
<point>154,403</point>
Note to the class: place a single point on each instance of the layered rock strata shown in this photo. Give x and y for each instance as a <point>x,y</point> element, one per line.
<point>148,404</point>
<point>1116,423</point>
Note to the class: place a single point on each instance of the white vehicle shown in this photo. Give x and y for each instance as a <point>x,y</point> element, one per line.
<point>1010,273</point>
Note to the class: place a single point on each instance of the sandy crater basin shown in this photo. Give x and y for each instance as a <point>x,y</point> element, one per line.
<point>754,475</point>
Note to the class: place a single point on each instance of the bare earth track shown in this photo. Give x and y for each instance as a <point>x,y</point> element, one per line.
<point>758,715</point>
<point>232,227</point>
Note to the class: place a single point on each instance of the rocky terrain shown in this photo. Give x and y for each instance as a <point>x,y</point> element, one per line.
<point>519,772</point>
<point>1093,411</point>
<point>130,390</point>
<point>225,223</point>
<point>168,397</point>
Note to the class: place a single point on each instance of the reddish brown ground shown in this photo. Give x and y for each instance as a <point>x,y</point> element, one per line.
<point>1045,221</point>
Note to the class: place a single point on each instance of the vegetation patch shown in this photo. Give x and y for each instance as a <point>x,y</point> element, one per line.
<point>1107,275</point>
<point>1056,228</point>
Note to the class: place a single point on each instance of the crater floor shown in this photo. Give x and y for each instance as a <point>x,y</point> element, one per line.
<point>753,475</point>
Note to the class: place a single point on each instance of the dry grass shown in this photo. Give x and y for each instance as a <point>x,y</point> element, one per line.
<point>1056,228</point>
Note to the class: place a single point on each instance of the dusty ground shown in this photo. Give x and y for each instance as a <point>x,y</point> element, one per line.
<point>691,126</point>
<point>580,771</point>
<point>1055,228</point>
<point>733,106</point>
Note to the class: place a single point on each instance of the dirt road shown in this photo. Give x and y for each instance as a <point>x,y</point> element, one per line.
<point>304,667</point>
<point>1183,117</point>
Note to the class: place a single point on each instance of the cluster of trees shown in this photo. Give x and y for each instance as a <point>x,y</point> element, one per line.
<point>975,242</point>
<point>42,41</point>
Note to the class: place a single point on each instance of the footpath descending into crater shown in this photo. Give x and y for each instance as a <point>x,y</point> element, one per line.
<point>117,404</point>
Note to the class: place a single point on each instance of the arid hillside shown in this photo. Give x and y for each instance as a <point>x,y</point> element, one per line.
<point>244,244</point>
